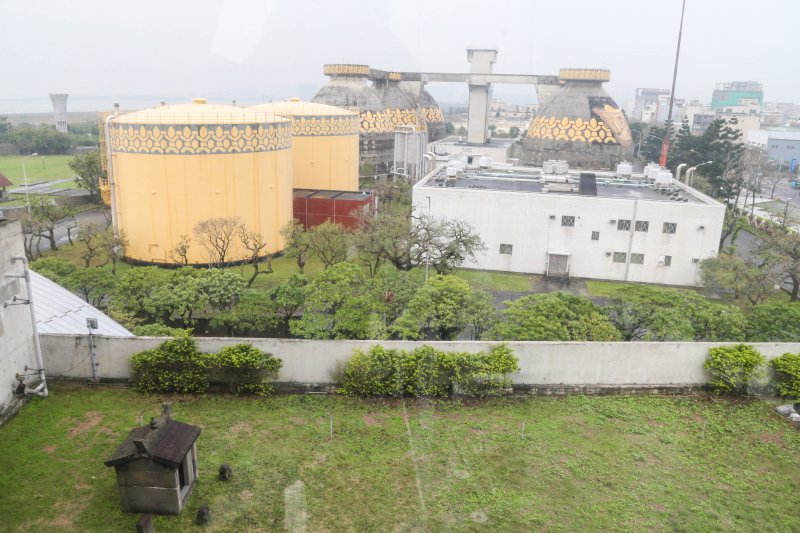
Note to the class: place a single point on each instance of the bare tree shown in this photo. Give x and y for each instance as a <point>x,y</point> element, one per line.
<point>49,213</point>
<point>255,244</point>
<point>217,235</point>
<point>329,241</point>
<point>115,246</point>
<point>180,252</point>
<point>32,237</point>
<point>90,236</point>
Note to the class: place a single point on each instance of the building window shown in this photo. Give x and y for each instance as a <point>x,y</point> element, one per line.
<point>637,259</point>
<point>595,235</point>
<point>670,227</point>
<point>665,260</point>
<point>623,225</point>
<point>568,221</point>
<point>642,225</point>
<point>506,249</point>
<point>619,257</point>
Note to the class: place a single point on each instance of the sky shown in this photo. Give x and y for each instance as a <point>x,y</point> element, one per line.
<point>142,52</point>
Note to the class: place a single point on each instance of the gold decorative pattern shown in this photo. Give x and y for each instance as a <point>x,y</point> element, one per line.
<point>197,139</point>
<point>433,114</point>
<point>565,129</point>
<point>387,120</point>
<point>317,126</point>
<point>584,74</point>
<point>345,70</point>
<point>395,76</point>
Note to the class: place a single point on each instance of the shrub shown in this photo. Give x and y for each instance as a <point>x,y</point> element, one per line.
<point>175,365</point>
<point>377,372</point>
<point>428,372</point>
<point>245,368</point>
<point>787,374</point>
<point>156,330</point>
<point>733,368</point>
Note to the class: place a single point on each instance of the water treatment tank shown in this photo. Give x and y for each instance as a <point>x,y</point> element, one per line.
<point>174,166</point>
<point>579,123</point>
<point>624,170</point>
<point>324,144</point>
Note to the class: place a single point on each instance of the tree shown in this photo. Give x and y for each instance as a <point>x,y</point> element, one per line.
<point>449,129</point>
<point>217,236</point>
<point>644,313</point>
<point>329,242</point>
<point>513,132</point>
<point>255,244</point>
<point>54,268</point>
<point>390,290</point>
<point>88,170</point>
<point>779,322</point>
<point>287,298</point>
<point>90,236</point>
<point>179,254</point>
<point>742,279</point>
<point>556,316</point>
<point>133,296</point>
<point>92,284</point>
<point>781,249</point>
<point>31,236</point>
<point>252,314</point>
<point>42,139</point>
<point>115,244</point>
<point>481,314</point>
<point>188,292</point>
<point>48,213</point>
<point>437,311</point>
<point>336,306</point>
<point>297,243</point>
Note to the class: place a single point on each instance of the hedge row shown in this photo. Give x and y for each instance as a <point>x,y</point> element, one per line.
<point>428,372</point>
<point>177,365</point>
<point>741,368</point>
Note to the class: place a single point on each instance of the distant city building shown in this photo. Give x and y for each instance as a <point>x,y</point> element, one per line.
<point>588,225</point>
<point>646,98</point>
<point>60,111</point>
<point>737,93</point>
<point>781,146</point>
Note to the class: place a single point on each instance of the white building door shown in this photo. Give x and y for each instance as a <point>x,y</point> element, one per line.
<point>557,264</point>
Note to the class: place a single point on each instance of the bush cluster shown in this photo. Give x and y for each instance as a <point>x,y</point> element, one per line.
<point>733,368</point>
<point>428,372</point>
<point>787,375</point>
<point>177,365</point>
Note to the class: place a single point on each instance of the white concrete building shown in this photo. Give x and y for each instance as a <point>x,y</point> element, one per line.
<point>628,231</point>
<point>17,347</point>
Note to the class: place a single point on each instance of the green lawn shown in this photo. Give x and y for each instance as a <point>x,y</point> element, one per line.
<point>583,463</point>
<point>607,288</point>
<point>38,168</point>
<point>497,281</point>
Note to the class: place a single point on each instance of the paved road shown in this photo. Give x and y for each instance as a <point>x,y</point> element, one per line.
<point>95,216</point>
<point>41,187</point>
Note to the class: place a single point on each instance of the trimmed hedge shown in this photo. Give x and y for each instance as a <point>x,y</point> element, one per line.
<point>428,372</point>
<point>177,365</point>
<point>787,375</point>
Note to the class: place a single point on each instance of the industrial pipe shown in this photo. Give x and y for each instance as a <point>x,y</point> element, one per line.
<point>41,389</point>
<point>109,167</point>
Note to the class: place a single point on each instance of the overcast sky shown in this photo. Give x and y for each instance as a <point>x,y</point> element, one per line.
<point>143,51</point>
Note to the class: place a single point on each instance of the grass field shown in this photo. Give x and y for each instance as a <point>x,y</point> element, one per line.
<point>607,288</point>
<point>38,168</point>
<point>583,463</point>
<point>497,281</point>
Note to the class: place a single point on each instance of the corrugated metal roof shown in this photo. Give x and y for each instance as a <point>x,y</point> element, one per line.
<point>60,311</point>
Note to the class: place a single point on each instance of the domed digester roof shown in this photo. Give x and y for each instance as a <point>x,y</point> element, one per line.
<point>174,166</point>
<point>580,124</point>
<point>428,109</point>
<point>324,144</point>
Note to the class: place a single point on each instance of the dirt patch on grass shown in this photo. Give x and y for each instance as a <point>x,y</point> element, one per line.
<point>659,507</point>
<point>370,420</point>
<point>49,449</point>
<point>242,428</point>
<point>246,495</point>
<point>772,438</point>
<point>297,421</point>
<point>91,420</point>
<point>68,512</point>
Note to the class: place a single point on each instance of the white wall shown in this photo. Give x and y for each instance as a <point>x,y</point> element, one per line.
<point>591,364</point>
<point>16,329</point>
<point>523,220</point>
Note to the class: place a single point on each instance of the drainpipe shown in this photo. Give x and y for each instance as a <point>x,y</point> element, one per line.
<point>109,166</point>
<point>41,389</point>
<point>630,238</point>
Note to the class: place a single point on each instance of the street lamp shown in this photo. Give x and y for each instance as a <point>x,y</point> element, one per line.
<point>690,172</point>
<point>637,146</point>
<point>25,179</point>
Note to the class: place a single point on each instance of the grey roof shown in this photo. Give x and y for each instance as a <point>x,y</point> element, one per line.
<point>168,443</point>
<point>60,311</point>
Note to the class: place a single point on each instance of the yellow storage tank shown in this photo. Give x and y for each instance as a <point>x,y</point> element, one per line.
<point>324,144</point>
<point>174,166</point>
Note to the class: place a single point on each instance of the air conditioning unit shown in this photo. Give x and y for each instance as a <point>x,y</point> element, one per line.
<point>699,228</point>
<point>695,259</point>
<point>608,254</point>
<point>552,217</point>
<point>612,221</point>
<point>661,261</point>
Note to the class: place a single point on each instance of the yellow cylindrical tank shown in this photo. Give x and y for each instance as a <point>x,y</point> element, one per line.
<point>174,166</point>
<point>324,144</point>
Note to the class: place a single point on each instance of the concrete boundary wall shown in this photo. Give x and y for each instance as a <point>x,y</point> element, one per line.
<point>566,366</point>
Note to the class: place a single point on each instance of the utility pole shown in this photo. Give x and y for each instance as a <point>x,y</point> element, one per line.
<point>665,142</point>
